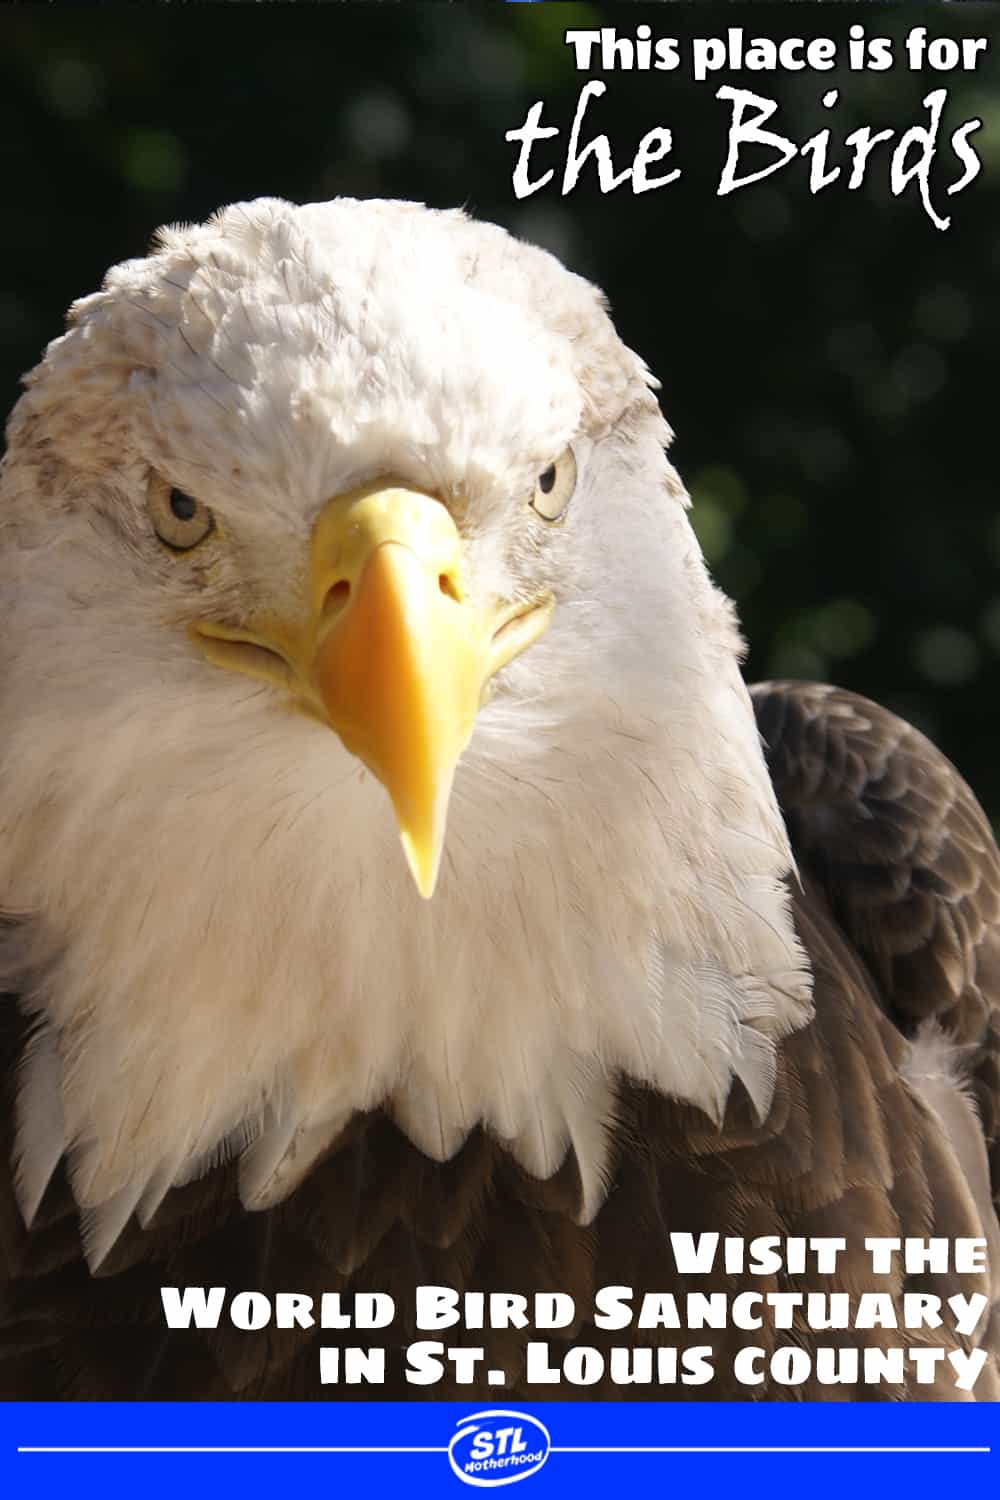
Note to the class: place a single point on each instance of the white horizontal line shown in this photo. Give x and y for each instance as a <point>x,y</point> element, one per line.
<point>686,1449</point>
<point>757,1448</point>
<point>228,1450</point>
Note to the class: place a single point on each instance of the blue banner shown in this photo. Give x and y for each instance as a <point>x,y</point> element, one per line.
<point>454,1449</point>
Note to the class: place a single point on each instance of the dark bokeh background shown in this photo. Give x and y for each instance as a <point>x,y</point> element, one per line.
<point>829,363</point>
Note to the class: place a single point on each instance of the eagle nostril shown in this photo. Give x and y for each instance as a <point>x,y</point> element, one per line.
<point>336,598</point>
<point>449,587</point>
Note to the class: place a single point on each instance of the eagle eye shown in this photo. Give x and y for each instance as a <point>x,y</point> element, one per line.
<point>554,488</point>
<point>180,521</point>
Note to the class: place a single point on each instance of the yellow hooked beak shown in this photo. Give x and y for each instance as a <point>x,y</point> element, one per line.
<point>388,649</point>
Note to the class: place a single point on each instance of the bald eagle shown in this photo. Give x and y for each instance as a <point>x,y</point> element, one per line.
<point>399,884</point>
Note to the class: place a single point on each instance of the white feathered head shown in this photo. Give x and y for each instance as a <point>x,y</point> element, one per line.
<point>320,526</point>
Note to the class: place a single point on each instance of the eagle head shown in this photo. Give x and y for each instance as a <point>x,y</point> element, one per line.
<point>328,527</point>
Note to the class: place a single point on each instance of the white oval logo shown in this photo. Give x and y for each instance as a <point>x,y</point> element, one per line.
<point>498,1447</point>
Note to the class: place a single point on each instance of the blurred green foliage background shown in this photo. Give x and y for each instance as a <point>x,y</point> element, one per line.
<point>829,363</point>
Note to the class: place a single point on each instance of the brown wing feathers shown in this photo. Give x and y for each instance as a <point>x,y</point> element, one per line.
<point>901,847</point>
<point>906,859</point>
